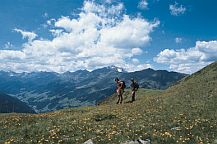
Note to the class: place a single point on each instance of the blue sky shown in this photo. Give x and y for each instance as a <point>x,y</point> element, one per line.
<point>68,35</point>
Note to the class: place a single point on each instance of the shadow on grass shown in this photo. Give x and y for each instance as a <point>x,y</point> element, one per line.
<point>102,117</point>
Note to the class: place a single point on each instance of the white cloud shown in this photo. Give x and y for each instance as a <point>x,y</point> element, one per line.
<point>100,36</point>
<point>12,55</point>
<point>29,35</point>
<point>190,60</point>
<point>178,40</point>
<point>128,33</point>
<point>56,32</point>
<point>136,67</point>
<point>143,4</point>
<point>135,61</point>
<point>137,51</point>
<point>177,9</point>
<point>8,45</point>
<point>51,21</point>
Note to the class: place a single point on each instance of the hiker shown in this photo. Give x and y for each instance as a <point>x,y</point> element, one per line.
<point>120,90</point>
<point>134,87</point>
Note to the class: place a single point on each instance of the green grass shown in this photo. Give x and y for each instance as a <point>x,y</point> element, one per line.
<point>184,113</point>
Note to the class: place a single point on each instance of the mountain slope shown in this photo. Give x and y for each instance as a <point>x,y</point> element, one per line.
<point>198,91</point>
<point>48,91</point>
<point>184,113</point>
<point>10,104</point>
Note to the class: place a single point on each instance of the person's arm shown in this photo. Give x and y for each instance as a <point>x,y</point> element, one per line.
<point>122,84</point>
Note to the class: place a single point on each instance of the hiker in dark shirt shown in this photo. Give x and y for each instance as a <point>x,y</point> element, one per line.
<point>119,90</point>
<point>134,87</point>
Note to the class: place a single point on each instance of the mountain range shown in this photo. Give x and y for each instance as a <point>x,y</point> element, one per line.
<point>48,91</point>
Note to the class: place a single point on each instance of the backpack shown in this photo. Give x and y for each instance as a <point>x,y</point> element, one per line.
<point>124,85</point>
<point>136,85</point>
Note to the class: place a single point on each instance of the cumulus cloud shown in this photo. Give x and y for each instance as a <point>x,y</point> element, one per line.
<point>28,35</point>
<point>177,9</point>
<point>190,60</point>
<point>100,35</point>
<point>143,4</point>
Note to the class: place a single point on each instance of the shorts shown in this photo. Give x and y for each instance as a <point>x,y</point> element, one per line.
<point>120,92</point>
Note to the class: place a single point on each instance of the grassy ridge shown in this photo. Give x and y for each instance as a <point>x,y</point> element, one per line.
<point>184,113</point>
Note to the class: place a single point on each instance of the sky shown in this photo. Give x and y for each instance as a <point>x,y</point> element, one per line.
<point>70,35</point>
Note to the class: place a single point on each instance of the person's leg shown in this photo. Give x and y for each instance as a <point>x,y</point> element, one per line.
<point>121,97</point>
<point>118,99</point>
<point>118,93</point>
<point>133,95</point>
